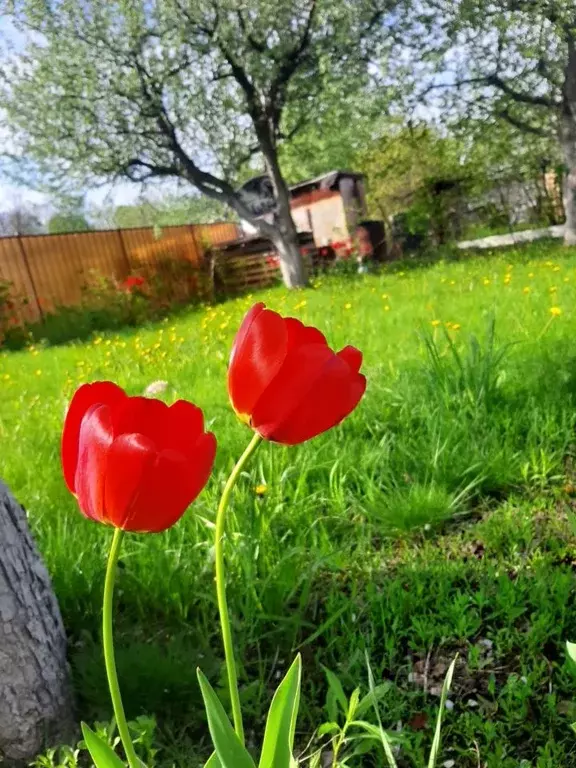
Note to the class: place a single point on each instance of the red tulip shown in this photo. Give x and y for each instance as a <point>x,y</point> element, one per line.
<point>134,462</point>
<point>286,382</point>
<point>133,281</point>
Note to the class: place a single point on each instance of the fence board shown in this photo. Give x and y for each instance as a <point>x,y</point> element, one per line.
<point>49,271</point>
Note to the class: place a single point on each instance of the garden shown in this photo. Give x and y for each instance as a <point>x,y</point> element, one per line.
<point>436,523</point>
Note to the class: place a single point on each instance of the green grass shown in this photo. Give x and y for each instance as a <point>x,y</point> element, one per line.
<point>435,521</point>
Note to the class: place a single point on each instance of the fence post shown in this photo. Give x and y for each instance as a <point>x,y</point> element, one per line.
<point>29,273</point>
<point>124,251</point>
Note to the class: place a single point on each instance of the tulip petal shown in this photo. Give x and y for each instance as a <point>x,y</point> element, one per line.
<point>333,395</point>
<point>142,415</point>
<point>257,356</point>
<point>96,438</point>
<point>131,459</point>
<point>101,392</point>
<point>178,426</point>
<point>183,427</point>
<point>300,334</point>
<point>168,485</point>
<point>303,365</point>
<point>353,357</point>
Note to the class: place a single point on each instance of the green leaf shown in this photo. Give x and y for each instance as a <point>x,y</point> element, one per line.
<point>326,728</point>
<point>213,761</point>
<point>571,648</point>
<point>101,752</point>
<point>354,699</point>
<point>443,697</point>
<point>281,722</point>
<point>336,687</point>
<point>229,749</point>
<point>368,701</point>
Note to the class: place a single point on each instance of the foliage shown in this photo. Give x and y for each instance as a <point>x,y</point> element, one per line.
<point>426,533</point>
<point>143,730</point>
<point>170,211</point>
<point>61,223</point>
<point>348,119</point>
<point>512,62</point>
<point>108,304</point>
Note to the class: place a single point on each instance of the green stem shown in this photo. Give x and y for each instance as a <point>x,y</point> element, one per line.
<point>108,643</point>
<point>221,585</point>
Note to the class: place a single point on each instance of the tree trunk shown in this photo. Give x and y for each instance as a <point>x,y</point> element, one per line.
<point>568,142</point>
<point>291,262</point>
<point>35,694</point>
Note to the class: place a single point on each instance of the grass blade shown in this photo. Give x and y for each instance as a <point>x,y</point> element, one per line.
<point>387,746</point>
<point>443,697</point>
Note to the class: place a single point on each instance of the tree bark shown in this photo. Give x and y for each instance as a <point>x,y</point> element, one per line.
<point>286,237</point>
<point>568,143</point>
<point>35,693</point>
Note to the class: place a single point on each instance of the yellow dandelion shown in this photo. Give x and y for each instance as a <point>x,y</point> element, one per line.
<point>530,275</point>
<point>452,282</point>
<point>456,326</point>
<point>486,281</point>
<point>348,306</point>
<point>6,377</point>
<point>566,279</point>
<point>38,372</point>
<point>435,323</point>
<point>261,489</point>
<point>553,289</point>
<point>555,311</point>
<point>526,289</point>
<point>98,340</point>
<point>386,308</point>
<point>556,269</point>
<point>385,296</point>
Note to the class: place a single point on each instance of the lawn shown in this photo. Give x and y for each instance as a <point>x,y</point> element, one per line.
<point>436,520</point>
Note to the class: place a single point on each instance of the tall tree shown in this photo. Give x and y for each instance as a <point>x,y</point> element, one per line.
<point>21,219</point>
<point>191,89</point>
<point>515,59</point>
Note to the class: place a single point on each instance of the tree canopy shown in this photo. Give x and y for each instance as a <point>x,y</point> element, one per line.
<point>174,88</point>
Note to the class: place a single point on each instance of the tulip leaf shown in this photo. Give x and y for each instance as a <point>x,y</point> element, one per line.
<point>101,752</point>
<point>213,761</point>
<point>230,752</point>
<point>571,648</point>
<point>281,722</point>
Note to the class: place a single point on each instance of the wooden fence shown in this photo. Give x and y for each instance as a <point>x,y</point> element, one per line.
<point>48,271</point>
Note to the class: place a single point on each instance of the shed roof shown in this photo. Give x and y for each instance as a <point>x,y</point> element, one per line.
<point>325,180</point>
